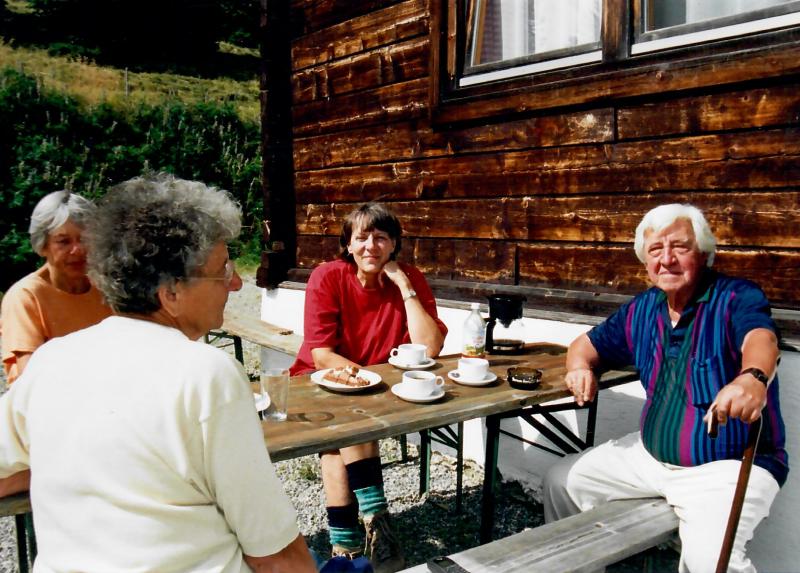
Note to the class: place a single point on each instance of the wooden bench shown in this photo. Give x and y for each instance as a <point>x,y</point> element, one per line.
<point>588,541</point>
<point>239,326</point>
<point>19,506</point>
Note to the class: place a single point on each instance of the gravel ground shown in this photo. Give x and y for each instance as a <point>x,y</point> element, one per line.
<point>427,525</point>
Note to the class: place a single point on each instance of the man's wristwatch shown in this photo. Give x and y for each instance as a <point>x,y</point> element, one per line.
<point>411,294</point>
<point>756,373</point>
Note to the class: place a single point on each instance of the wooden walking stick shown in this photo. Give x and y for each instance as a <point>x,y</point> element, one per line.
<point>738,495</point>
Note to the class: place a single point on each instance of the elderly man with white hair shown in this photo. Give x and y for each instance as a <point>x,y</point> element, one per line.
<point>704,344</point>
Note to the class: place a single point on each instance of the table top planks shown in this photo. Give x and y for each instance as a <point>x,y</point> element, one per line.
<point>320,419</point>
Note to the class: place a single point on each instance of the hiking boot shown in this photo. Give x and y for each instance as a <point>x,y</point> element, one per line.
<point>349,552</point>
<point>382,546</point>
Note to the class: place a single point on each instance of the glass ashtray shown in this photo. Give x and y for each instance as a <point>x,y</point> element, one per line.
<point>523,378</point>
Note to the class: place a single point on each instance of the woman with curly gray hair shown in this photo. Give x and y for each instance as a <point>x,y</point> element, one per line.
<point>144,445</point>
<point>157,231</point>
<point>57,298</point>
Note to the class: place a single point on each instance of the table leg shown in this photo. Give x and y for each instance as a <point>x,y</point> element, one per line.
<point>459,465</point>
<point>237,348</point>
<point>213,336</point>
<point>489,478</point>
<point>22,545</point>
<point>31,533</point>
<point>591,420</point>
<point>424,461</point>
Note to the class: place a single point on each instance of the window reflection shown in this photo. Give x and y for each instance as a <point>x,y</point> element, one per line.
<point>660,14</point>
<point>501,30</point>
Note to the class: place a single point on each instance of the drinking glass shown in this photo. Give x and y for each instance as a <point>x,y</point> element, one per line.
<point>276,383</point>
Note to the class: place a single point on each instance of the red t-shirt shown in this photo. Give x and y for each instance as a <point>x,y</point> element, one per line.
<point>361,324</point>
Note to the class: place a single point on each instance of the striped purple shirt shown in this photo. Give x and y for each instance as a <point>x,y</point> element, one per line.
<point>683,367</point>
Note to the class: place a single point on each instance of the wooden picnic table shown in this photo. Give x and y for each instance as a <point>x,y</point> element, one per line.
<point>320,419</point>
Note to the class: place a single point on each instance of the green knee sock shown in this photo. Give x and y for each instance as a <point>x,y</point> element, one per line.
<point>351,537</point>
<point>366,481</point>
<point>371,500</point>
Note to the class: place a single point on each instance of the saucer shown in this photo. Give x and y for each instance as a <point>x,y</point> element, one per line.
<point>488,379</point>
<point>395,361</point>
<point>262,403</point>
<point>398,391</point>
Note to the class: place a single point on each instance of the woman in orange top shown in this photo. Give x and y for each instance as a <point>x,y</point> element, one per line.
<point>57,298</point>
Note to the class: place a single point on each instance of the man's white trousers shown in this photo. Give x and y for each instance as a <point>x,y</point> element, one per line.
<point>701,496</point>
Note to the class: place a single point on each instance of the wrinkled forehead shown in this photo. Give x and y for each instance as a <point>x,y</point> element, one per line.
<point>679,230</point>
<point>69,229</point>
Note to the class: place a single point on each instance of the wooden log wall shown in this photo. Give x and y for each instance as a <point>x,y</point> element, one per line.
<point>545,199</point>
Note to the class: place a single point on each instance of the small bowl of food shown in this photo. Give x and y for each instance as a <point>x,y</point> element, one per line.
<point>523,378</point>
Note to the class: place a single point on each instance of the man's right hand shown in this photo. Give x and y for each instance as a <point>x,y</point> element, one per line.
<point>580,378</point>
<point>582,382</point>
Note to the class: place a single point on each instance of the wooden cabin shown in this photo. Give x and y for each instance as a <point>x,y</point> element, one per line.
<point>521,141</point>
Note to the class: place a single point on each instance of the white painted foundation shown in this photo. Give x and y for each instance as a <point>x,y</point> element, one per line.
<point>774,549</point>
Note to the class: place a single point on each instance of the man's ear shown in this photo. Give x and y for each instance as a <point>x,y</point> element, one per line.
<point>168,297</point>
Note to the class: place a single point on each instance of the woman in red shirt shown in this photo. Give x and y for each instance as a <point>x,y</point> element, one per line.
<point>356,310</point>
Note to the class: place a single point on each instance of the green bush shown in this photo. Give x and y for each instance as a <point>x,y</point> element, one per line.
<point>49,141</point>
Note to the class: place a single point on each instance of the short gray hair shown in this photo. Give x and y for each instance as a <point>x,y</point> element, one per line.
<point>155,230</point>
<point>663,216</point>
<point>52,211</point>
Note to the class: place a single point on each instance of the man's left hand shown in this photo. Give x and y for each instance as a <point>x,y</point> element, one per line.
<point>743,398</point>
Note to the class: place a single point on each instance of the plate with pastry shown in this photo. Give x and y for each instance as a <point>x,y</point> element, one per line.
<point>347,379</point>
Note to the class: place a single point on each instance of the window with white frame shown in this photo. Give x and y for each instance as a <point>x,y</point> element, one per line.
<point>670,23</point>
<point>507,38</point>
<point>511,38</point>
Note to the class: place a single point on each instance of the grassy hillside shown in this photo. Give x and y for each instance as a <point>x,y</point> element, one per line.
<point>67,122</point>
<point>93,85</point>
<point>70,124</point>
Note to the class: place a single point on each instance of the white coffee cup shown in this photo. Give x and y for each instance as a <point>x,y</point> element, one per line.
<point>421,383</point>
<point>410,354</point>
<point>471,369</point>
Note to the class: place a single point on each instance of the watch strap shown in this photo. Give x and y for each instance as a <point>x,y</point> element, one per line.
<point>411,294</point>
<point>756,373</point>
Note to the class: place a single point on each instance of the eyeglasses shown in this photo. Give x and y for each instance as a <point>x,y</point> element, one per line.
<point>226,279</point>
